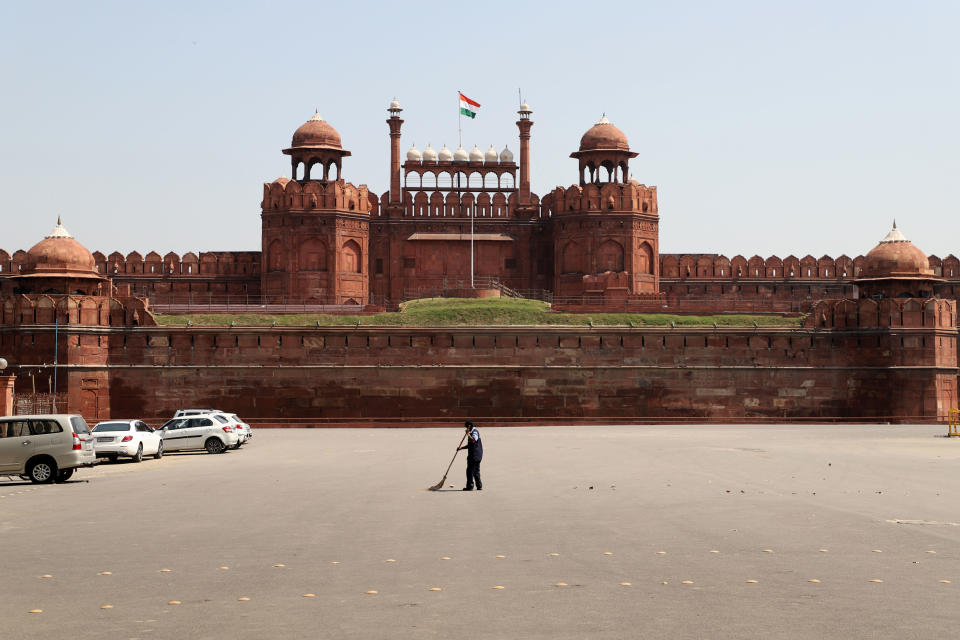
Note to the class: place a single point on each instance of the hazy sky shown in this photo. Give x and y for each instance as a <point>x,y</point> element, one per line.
<point>768,127</point>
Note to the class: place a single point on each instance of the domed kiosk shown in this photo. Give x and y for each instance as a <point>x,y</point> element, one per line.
<point>59,264</point>
<point>316,142</point>
<point>896,268</point>
<point>604,147</point>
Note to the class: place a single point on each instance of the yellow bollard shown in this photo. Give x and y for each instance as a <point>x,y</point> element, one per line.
<point>953,422</point>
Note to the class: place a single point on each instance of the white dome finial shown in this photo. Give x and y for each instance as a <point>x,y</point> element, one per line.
<point>59,231</point>
<point>894,235</point>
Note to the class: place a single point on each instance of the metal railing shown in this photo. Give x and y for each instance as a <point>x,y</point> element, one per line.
<point>32,403</point>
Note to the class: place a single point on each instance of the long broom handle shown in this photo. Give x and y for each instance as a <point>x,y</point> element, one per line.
<point>454,457</point>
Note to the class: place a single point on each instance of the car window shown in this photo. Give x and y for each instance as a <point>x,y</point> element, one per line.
<point>14,429</point>
<point>112,426</point>
<point>43,427</point>
<point>79,424</point>
<point>143,427</point>
<point>176,423</point>
<point>205,422</point>
<point>221,419</point>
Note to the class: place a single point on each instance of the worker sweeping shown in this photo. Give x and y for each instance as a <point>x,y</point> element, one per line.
<point>474,449</point>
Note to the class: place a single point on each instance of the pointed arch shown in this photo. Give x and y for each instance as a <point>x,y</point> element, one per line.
<point>610,256</point>
<point>351,257</point>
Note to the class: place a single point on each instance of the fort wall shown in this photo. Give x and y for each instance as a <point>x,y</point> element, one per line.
<point>903,371</point>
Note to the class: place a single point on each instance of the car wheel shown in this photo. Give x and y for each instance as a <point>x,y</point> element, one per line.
<point>138,456</point>
<point>214,445</point>
<point>42,472</point>
<point>64,475</point>
<point>159,453</point>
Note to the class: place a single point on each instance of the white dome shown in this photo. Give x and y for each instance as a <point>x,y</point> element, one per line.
<point>429,155</point>
<point>525,107</point>
<point>460,155</point>
<point>445,154</point>
<point>475,154</point>
<point>491,156</point>
<point>395,105</point>
<point>506,155</point>
<point>414,154</point>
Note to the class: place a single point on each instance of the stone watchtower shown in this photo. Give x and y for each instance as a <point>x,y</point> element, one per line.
<point>315,226</point>
<point>60,309</point>
<point>605,228</point>
<point>903,329</point>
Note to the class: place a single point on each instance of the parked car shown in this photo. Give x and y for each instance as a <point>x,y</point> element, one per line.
<point>202,431</point>
<point>242,429</point>
<point>45,448</point>
<point>129,438</point>
<point>193,412</point>
<point>233,421</point>
<point>247,430</point>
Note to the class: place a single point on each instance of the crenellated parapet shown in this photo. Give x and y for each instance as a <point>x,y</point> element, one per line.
<point>612,196</point>
<point>208,263</point>
<point>103,311</point>
<point>285,195</point>
<point>718,266</point>
<point>933,313</point>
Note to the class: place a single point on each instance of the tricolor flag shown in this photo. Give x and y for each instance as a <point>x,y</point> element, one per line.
<point>468,107</point>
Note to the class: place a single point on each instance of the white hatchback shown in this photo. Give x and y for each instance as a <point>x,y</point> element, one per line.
<point>198,432</point>
<point>129,438</point>
<point>244,427</point>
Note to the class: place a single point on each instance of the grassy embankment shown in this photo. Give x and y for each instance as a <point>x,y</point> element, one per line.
<point>445,312</point>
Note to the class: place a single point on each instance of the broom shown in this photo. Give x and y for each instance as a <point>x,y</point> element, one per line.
<point>439,485</point>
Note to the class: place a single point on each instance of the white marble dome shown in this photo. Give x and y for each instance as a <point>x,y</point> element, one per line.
<point>429,154</point>
<point>460,155</point>
<point>475,154</point>
<point>506,155</point>
<point>445,154</point>
<point>414,154</point>
<point>491,156</point>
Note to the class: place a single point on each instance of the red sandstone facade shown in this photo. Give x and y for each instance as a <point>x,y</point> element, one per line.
<point>880,340</point>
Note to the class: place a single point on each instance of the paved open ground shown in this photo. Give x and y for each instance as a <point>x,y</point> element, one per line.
<point>580,532</point>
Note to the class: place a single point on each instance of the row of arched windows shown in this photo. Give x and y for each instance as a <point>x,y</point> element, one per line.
<point>460,180</point>
<point>313,255</point>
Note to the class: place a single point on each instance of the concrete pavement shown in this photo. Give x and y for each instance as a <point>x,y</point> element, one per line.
<point>592,532</point>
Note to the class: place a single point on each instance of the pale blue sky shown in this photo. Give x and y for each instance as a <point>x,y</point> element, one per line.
<point>768,127</point>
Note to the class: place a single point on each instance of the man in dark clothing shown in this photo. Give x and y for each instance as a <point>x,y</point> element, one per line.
<point>474,449</point>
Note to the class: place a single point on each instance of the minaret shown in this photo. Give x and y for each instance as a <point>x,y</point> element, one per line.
<point>394,121</point>
<point>524,124</point>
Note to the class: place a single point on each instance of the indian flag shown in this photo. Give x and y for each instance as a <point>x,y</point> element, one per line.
<point>468,107</point>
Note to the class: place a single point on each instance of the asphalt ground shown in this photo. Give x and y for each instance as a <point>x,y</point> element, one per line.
<point>580,532</point>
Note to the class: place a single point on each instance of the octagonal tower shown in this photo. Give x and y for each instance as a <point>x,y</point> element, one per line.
<point>315,226</point>
<point>606,238</point>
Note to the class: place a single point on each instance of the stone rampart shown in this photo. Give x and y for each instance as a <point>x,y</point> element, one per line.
<point>361,374</point>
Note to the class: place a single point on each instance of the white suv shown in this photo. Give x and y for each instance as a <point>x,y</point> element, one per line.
<point>45,448</point>
<point>242,430</point>
<point>202,431</point>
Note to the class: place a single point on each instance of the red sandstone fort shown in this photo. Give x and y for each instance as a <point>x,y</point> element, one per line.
<point>879,340</point>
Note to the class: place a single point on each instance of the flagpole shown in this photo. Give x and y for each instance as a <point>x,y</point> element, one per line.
<point>472,209</point>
